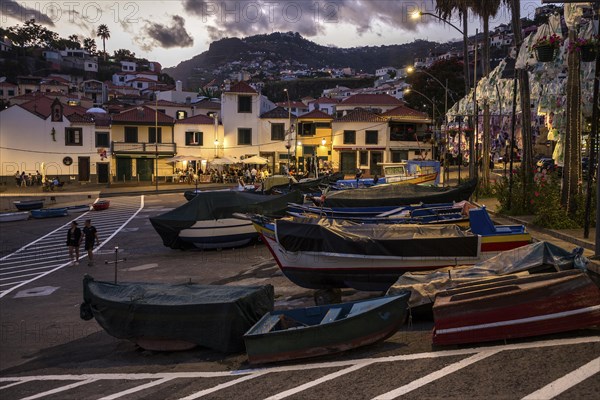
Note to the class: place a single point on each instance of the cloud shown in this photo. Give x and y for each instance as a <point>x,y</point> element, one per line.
<point>47,15</point>
<point>165,36</point>
<point>308,17</point>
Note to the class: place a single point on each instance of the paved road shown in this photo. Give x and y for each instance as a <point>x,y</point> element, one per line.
<point>47,351</point>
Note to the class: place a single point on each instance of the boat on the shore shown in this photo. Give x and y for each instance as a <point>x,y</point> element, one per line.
<point>207,221</point>
<point>100,205</point>
<point>323,254</point>
<point>396,195</point>
<point>28,205</point>
<point>14,216</point>
<point>405,172</point>
<point>168,317</point>
<point>78,209</point>
<point>49,212</point>
<point>516,307</point>
<point>284,335</point>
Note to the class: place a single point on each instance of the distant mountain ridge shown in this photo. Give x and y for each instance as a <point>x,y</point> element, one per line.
<point>270,53</point>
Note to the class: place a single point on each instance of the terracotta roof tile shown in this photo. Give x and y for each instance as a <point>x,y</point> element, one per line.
<point>371,100</point>
<point>277,113</point>
<point>197,119</point>
<point>241,87</point>
<point>405,113</point>
<point>142,115</point>
<point>316,114</point>
<point>361,115</point>
<point>42,105</point>
<point>325,100</point>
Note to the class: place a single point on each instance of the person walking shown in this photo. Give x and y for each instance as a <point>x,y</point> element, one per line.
<point>91,236</point>
<point>73,242</point>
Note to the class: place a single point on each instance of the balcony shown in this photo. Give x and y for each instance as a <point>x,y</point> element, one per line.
<point>144,148</point>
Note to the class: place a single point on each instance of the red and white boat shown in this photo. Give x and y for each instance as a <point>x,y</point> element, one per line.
<point>506,308</point>
<point>101,205</point>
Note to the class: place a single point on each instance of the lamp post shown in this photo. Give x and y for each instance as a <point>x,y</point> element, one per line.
<point>156,138</point>
<point>288,143</point>
<point>433,107</point>
<point>216,125</point>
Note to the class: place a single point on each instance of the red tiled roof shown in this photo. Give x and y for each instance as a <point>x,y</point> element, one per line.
<point>361,115</point>
<point>277,113</point>
<point>142,115</point>
<point>325,100</point>
<point>371,100</point>
<point>7,84</point>
<point>42,107</point>
<point>77,118</point>
<point>197,119</point>
<point>241,87</point>
<point>142,79</point>
<point>405,112</point>
<point>210,105</point>
<point>316,114</point>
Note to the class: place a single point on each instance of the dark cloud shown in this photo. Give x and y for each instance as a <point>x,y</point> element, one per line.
<point>47,14</point>
<point>308,17</point>
<point>166,36</point>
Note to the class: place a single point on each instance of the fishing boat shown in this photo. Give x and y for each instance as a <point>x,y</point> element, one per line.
<point>306,185</point>
<point>49,212</point>
<point>207,221</point>
<point>166,317</point>
<point>28,205</point>
<point>323,254</point>
<point>405,172</point>
<point>284,335</point>
<point>501,309</point>
<point>395,195</point>
<point>99,205</point>
<point>361,212</point>
<point>14,216</point>
<point>78,209</point>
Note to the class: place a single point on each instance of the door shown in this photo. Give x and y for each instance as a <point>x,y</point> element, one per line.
<point>123,169</point>
<point>102,172</point>
<point>144,168</point>
<point>348,162</point>
<point>376,158</point>
<point>84,169</point>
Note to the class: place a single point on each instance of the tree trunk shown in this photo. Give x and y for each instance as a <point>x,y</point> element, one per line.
<point>485,156</point>
<point>466,51</point>
<point>572,166</point>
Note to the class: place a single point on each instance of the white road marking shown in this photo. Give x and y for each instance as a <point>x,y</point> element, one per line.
<point>38,291</point>
<point>204,392</point>
<point>59,389</point>
<point>136,389</point>
<point>566,382</point>
<point>316,382</point>
<point>436,375</point>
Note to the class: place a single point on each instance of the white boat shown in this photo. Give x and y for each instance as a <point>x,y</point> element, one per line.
<point>220,233</point>
<point>16,216</point>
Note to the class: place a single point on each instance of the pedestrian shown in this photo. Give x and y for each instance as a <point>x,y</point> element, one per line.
<point>23,179</point>
<point>91,236</point>
<point>18,178</point>
<point>73,242</point>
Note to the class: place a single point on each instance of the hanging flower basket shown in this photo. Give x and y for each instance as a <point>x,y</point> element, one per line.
<point>588,53</point>
<point>545,53</point>
<point>587,48</point>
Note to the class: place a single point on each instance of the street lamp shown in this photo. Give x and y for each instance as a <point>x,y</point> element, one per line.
<point>288,143</point>
<point>216,125</point>
<point>156,138</point>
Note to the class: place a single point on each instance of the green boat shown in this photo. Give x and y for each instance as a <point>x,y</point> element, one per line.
<point>285,335</point>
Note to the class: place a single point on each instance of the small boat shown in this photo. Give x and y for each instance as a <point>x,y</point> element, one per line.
<point>28,205</point>
<point>406,172</point>
<point>504,308</point>
<point>165,317</point>
<point>14,216</point>
<point>78,209</point>
<point>101,205</point>
<point>49,212</point>
<point>315,331</point>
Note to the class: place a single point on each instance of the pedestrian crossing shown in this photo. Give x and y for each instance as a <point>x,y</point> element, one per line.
<point>49,253</point>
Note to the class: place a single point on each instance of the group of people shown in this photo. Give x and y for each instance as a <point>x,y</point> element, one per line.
<point>23,179</point>
<point>89,236</point>
<point>249,175</point>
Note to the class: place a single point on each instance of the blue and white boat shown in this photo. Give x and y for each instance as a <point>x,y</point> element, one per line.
<point>49,212</point>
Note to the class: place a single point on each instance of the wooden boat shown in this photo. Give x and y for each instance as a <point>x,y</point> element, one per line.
<point>49,212</point>
<point>101,205</point>
<point>504,308</point>
<point>28,205</point>
<point>322,254</point>
<point>207,221</point>
<point>315,331</point>
<point>306,186</point>
<point>14,216</point>
<point>406,172</point>
<point>361,212</point>
<point>166,317</point>
<point>396,195</point>
<point>78,209</point>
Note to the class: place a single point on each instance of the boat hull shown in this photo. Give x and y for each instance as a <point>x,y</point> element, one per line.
<point>78,209</point>
<point>28,205</point>
<point>221,233</point>
<point>14,216</point>
<point>521,307</point>
<point>381,319</point>
<point>49,213</point>
<point>101,205</point>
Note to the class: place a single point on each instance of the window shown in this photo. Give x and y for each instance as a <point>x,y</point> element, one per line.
<point>306,129</point>
<point>349,137</point>
<point>194,139</point>
<point>371,137</point>
<point>11,92</point>
<point>277,131</point>
<point>1,92</point>
<point>399,155</point>
<point>140,85</point>
<point>403,132</point>
<point>152,135</point>
<point>180,114</point>
<point>102,139</point>
<point>73,137</point>
<point>244,104</point>
<point>131,134</point>
<point>364,158</point>
<point>244,136</point>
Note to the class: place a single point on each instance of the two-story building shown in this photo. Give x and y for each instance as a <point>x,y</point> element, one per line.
<point>313,138</point>
<point>276,138</point>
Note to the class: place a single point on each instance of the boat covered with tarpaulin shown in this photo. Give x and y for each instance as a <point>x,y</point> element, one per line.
<point>207,220</point>
<point>161,316</point>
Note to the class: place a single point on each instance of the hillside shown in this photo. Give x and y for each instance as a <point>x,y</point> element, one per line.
<point>264,56</point>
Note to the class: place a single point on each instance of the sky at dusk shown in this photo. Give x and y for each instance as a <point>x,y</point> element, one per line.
<point>172,31</point>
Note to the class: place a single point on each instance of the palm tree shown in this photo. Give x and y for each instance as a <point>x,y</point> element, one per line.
<point>486,9</point>
<point>104,34</point>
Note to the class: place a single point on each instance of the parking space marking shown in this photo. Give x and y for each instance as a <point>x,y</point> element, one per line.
<point>59,389</point>
<point>566,382</point>
<point>136,389</point>
<point>425,380</point>
<point>203,393</point>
